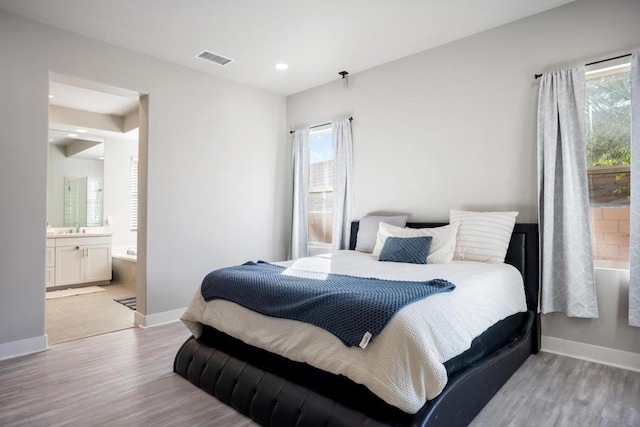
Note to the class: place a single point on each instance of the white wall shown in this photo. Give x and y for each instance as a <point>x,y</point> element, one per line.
<point>117,189</point>
<point>60,166</point>
<point>218,171</point>
<point>455,127</point>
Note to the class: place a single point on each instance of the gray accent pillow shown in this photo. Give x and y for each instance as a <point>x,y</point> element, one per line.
<point>411,250</point>
<point>368,230</point>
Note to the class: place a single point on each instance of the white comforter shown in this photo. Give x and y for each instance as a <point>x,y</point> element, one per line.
<point>404,364</point>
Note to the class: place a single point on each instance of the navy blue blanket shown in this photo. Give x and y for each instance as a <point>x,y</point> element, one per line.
<point>354,309</point>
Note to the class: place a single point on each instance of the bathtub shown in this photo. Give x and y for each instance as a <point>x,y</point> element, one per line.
<point>124,252</point>
<point>124,264</point>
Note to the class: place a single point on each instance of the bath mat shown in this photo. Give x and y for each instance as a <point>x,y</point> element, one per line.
<point>73,291</point>
<point>127,302</point>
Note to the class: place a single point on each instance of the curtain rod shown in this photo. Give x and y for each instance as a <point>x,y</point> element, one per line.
<point>537,76</point>
<point>317,126</point>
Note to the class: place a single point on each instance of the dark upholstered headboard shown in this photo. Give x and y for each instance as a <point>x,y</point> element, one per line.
<point>522,254</point>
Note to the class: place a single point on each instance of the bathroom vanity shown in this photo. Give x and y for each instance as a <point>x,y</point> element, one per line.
<point>77,258</point>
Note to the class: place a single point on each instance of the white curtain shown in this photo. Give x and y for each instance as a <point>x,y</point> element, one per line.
<point>634,241</point>
<point>300,226</point>
<point>568,278</point>
<point>342,183</point>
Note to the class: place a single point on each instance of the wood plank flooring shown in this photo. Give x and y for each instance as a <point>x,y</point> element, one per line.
<point>552,390</point>
<point>125,378</point>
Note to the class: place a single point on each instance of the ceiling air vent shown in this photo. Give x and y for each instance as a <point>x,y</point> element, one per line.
<point>214,57</point>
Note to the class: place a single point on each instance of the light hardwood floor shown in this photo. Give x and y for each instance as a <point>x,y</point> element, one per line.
<point>125,378</point>
<point>552,390</point>
<point>80,316</point>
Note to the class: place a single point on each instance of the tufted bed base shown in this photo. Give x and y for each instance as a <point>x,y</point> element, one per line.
<point>275,391</point>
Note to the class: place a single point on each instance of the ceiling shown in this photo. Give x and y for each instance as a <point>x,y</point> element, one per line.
<point>317,39</point>
<point>78,135</point>
<point>93,145</point>
<point>95,101</point>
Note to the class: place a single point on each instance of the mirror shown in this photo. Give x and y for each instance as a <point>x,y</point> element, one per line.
<point>83,201</point>
<point>75,179</point>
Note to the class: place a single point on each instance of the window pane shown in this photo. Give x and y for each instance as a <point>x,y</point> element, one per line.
<point>320,187</point>
<point>134,194</point>
<point>608,132</point>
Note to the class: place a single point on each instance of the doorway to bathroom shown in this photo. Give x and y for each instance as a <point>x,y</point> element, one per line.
<point>92,209</point>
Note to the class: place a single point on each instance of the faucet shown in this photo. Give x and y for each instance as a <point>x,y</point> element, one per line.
<point>76,225</point>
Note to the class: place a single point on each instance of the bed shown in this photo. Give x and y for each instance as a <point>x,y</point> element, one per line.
<point>276,391</point>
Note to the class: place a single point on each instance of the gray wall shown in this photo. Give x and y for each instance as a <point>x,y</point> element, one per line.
<point>218,169</point>
<point>455,127</point>
<point>612,329</point>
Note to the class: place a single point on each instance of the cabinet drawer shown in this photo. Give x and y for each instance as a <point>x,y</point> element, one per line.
<point>50,277</point>
<point>51,257</point>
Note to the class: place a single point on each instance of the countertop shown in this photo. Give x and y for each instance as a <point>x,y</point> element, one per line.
<point>68,235</point>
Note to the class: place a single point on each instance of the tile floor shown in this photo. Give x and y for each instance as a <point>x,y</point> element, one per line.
<point>80,316</point>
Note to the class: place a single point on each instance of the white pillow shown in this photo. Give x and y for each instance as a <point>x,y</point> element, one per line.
<point>368,229</point>
<point>442,245</point>
<point>482,236</point>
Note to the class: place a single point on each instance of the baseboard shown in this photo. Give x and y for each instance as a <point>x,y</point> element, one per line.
<point>592,353</point>
<point>12,349</point>
<point>156,319</point>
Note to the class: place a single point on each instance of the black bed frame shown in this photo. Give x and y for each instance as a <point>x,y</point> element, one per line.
<point>275,391</point>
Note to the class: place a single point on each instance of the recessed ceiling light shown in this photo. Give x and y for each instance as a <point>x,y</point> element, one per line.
<point>282,66</point>
<point>50,96</point>
<point>72,135</point>
<point>101,158</point>
<point>81,130</point>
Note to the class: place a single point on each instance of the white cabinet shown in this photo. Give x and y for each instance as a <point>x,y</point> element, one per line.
<point>70,268</point>
<point>82,260</point>
<point>97,263</point>
<point>50,277</point>
<point>51,262</point>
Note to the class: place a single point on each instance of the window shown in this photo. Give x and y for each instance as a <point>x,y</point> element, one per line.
<point>320,200</point>
<point>608,132</point>
<point>134,194</point>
